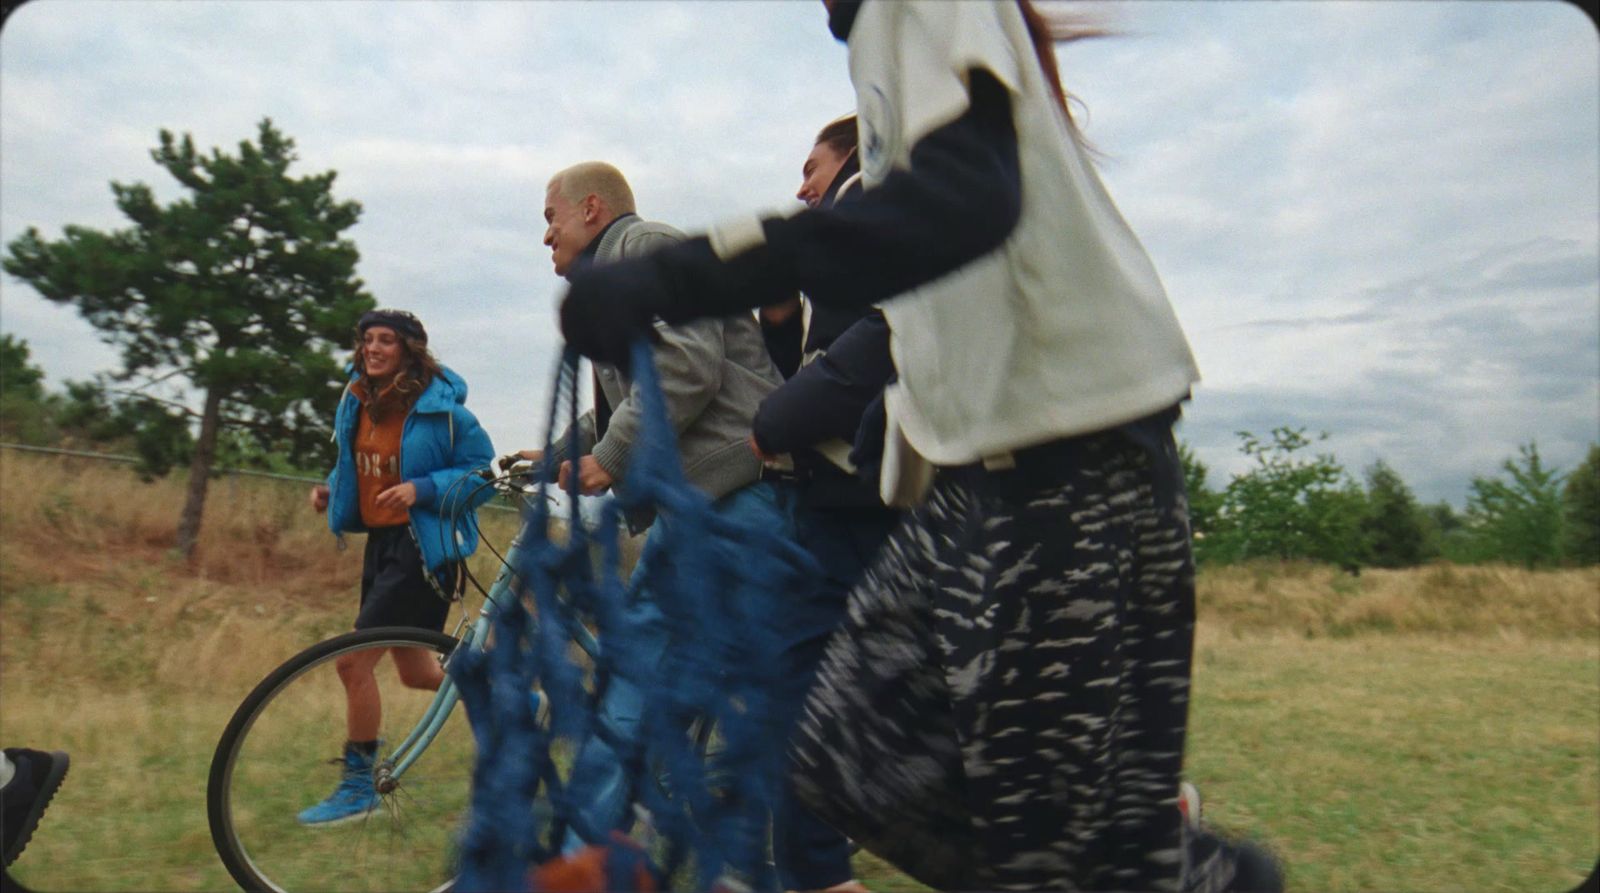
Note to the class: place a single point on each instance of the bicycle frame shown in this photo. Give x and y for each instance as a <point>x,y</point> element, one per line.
<point>390,770</point>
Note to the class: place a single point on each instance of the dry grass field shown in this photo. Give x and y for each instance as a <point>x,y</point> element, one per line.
<point>1424,730</point>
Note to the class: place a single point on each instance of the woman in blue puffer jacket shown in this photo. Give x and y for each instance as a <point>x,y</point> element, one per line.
<point>408,446</point>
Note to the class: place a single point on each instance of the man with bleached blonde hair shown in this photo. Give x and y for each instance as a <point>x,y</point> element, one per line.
<point>580,202</point>
<point>599,178</point>
<point>714,372</point>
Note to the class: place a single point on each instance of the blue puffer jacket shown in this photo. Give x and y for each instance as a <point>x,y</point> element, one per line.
<point>441,444</point>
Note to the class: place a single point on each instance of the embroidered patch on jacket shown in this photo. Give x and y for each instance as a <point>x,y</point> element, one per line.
<point>880,133</point>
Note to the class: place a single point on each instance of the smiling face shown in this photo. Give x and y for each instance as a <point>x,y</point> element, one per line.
<point>817,174</point>
<point>569,227</point>
<point>382,352</point>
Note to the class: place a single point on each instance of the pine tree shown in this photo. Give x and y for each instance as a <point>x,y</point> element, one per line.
<point>26,411</point>
<point>1581,502</point>
<point>242,288</point>
<point>1393,526</point>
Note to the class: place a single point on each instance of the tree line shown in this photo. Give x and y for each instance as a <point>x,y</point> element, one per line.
<point>244,292</point>
<point>1294,504</point>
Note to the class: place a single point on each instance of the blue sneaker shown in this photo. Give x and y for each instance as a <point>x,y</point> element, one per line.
<point>354,798</point>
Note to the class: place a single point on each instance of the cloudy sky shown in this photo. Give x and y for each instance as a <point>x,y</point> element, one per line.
<point>1380,220</point>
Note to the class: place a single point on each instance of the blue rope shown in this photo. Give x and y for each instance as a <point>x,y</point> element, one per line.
<point>719,588</point>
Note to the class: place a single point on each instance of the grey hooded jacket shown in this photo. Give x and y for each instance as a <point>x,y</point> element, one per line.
<point>714,374</point>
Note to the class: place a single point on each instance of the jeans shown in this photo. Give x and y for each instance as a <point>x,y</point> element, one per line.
<point>604,771</point>
<point>809,853</point>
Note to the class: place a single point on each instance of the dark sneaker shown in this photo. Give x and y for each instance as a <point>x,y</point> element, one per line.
<point>1256,870</point>
<point>1226,864</point>
<point>38,775</point>
<point>353,798</point>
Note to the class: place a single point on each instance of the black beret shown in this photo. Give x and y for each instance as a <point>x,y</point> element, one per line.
<point>399,320</point>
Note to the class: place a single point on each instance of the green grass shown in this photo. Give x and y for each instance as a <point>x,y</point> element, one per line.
<point>284,766</point>
<point>1405,763</point>
<point>1397,763</point>
<point>1371,764</point>
<point>1427,730</point>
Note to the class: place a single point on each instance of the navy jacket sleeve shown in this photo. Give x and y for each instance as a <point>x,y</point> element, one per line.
<point>960,199</point>
<point>825,399</point>
<point>783,343</point>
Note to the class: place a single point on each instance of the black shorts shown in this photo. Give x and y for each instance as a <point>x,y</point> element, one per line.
<point>394,589</point>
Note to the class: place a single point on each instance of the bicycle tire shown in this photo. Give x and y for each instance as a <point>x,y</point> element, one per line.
<point>272,761</point>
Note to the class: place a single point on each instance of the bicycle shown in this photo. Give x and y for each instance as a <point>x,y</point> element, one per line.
<point>271,761</point>
<point>701,786</point>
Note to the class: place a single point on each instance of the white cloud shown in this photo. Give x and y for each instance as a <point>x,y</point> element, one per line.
<point>1372,218</point>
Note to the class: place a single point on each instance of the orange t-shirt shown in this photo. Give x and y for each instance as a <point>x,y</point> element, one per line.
<point>377,455</point>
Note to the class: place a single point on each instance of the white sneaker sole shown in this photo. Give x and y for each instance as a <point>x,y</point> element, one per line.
<point>329,823</point>
<point>1189,804</point>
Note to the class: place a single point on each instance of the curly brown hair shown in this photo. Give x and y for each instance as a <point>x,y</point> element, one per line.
<point>417,370</point>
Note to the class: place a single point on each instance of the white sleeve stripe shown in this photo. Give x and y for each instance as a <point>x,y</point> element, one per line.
<point>734,237</point>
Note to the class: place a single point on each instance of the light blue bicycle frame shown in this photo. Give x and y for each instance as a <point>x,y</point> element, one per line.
<point>394,766</point>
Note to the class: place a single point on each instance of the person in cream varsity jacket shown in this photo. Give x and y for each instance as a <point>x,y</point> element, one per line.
<point>1005,706</point>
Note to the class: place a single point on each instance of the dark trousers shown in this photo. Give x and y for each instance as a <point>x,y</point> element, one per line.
<point>809,853</point>
<point>395,590</point>
<point>1005,704</point>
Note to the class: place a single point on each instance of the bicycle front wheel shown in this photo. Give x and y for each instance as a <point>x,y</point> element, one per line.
<point>273,762</point>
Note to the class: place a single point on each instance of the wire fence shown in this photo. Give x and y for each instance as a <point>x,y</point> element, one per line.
<point>238,472</point>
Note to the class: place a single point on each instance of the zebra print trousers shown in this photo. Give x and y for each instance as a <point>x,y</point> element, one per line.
<point>1004,705</point>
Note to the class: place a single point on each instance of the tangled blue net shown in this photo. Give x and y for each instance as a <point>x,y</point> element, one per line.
<point>717,706</point>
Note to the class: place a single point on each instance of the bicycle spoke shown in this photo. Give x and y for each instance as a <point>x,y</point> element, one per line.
<point>278,766</point>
